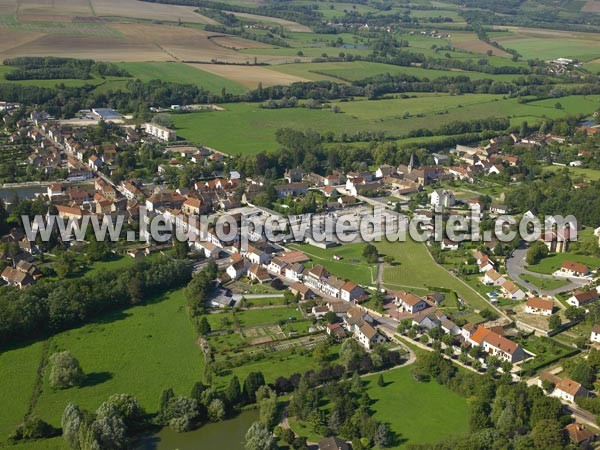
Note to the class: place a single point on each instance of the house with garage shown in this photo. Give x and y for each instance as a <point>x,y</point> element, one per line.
<point>539,306</point>
<point>208,249</point>
<point>574,269</point>
<point>409,302</point>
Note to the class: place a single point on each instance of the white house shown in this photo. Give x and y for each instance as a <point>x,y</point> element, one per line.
<point>442,198</point>
<point>238,267</point>
<point>574,269</point>
<point>497,345</point>
<point>511,290</point>
<point>410,302</point>
<point>564,388</point>
<point>581,298</point>
<point>447,244</point>
<point>595,334</point>
<point>294,272</point>
<point>351,291</point>
<point>368,336</point>
<point>493,278</point>
<point>539,306</point>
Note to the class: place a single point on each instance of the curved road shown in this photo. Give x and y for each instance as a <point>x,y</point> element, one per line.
<point>515,267</point>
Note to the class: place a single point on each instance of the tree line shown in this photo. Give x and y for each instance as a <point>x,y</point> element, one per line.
<point>51,306</point>
<point>51,68</point>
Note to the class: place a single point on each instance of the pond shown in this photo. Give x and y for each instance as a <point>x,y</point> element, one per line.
<point>227,435</point>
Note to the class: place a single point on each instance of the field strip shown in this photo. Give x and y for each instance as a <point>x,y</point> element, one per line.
<point>249,76</point>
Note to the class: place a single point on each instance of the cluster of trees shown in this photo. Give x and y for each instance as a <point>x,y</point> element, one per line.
<point>502,414</point>
<point>51,306</point>
<point>111,427</point>
<point>52,68</point>
<point>199,288</point>
<point>554,195</point>
<point>268,38</point>
<point>349,415</point>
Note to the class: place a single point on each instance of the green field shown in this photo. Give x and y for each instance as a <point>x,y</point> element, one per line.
<point>181,73</point>
<point>537,46</point>
<point>140,351</point>
<point>353,265</point>
<point>414,268</point>
<point>576,172</point>
<point>552,263</point>
<point>255,127</point>
<point>18,368</point>
<point>358,70</point>
<point>417,412</point>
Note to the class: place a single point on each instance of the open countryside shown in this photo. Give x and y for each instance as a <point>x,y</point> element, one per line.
<point>180,110</point>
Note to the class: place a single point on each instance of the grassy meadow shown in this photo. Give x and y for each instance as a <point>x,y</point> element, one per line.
<point>255,127</point>
<point>181,73</point>
<point>140,351</point>
<point>417,412</point>
<point>353,265</point>
<point>552,263</point>
<point>358,70</point>
<point>415,269</point>
<point>18,369</point>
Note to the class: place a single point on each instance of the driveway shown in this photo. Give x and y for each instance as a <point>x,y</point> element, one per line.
<point>516,266</point>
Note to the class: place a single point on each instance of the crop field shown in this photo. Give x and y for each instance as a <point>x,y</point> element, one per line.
<point>182,73</point>
<point>255,127</point>
<point>130,42</point>
<point>286,24</point>
<point>69,10</point>
<point>591,6</point>
<point>549,44</point>
<point>471,43</point>
<point>140,351</point>
<point>248,76</point>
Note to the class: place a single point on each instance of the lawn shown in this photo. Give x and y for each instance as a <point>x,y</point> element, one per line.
<point>414,268</point>
<point>552,263</point>
<point>181,73</point>
<point>255,127</point>
<point>353,266</point>
<point>545,283</point>
<point>140,351</point>
<point>417,412</point>
<point>18,368</point>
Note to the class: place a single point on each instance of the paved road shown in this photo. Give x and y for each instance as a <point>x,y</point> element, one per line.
<point>515,267</point>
